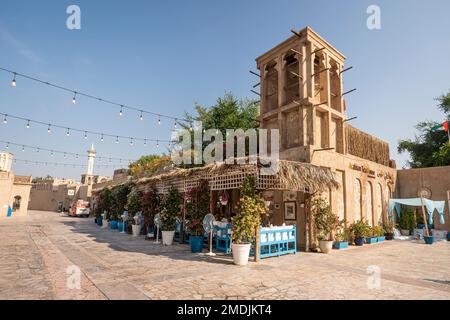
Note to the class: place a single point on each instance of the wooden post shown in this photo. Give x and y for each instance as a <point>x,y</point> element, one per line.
<point>424,215</point>
<point>448,200</point>
<point>256,248</point>
<point>181,240</point>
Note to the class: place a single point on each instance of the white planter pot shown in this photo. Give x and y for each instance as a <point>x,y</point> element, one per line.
<point>136,228</point>
<point>167,237</point>
<point>404,232</point>
<point>240,253</point>
<point>105,224</point>
<point>325,246</point>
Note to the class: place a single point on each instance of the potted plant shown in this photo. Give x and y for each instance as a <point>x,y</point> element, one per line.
<point>150,202</point>
<point>379,233</point>
<point>134,206</point>
<point>407,221</point>
<point>196,209</point>
<point>170,209</point>
<point>359,230</point>
<point>119,201</point>
<point>389,230</point>
<point>245,223</point>
<point>341,236</point>
<point>325,222</point>
<point>102,203</point>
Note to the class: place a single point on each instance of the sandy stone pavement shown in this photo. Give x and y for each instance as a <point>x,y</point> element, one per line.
<point>42,254</point>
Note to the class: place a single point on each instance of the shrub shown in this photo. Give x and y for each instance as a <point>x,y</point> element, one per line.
<point>250,209</point>
<point>407,219</point>
<point>103,202</point>
<point>170,209</point>
<point>119,200</point>
<point>197,207</point>
<point>342,232</point>
<point>360,229</point>
<point>150,205</point>
<point>325,221</point>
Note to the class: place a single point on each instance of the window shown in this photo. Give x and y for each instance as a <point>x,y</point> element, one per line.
<point>292,80</point>
<point>271,87</point>
<point>16,204</point>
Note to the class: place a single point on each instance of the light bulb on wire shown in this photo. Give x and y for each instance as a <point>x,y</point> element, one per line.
<point>159,120</point>
<point>5,119</point>
<point>101,139</point>
<point>85,135</point>
<point>117,139</point>
<point>13,82</point>
<point>121,111</point>
<point>28,124</point>
<point>49,129</point>
<point>68,132</point>
<point>74,99</point>
<point>141,117</point>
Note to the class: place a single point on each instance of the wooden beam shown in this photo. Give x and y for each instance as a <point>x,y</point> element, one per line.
<point>315,74</point>
<point>315,51</point>
<point>298,34</point>
<point>346,69</point>
<point>295,74</point>
<point>349,119</point>
<point>424,215</point>
<point>350,91</point>
<point>297,52</point>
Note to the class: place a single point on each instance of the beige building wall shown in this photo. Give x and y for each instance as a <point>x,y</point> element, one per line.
<point>12,186</point>
<point>302,96</point>
<point>436,180</point>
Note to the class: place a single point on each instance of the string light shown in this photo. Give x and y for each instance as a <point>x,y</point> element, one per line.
<point>101,139</point>
<point>131,142</point>
<point>145,142</point>
<point>67,133</point>
<point>141,117</point>
<point>49,125</point>
<point>26,161</point>
<point>159,120</point>
<point>28,124</point>
<point>121,111</point>
<point>66,153</point>
<point>23,148</point>
<point>117,139</point>
<point>77,93</point>
<point>175,124</point>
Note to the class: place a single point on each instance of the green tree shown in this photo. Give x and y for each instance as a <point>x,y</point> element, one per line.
<point>429,148</point>
<point>228,112</point>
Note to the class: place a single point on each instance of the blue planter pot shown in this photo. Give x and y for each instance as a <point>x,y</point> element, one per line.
<point>196,244</point>
<point>121,226</point>
<point>372,240</point>
<point>420,225</point>
<point>99,221</point>
<point>112,224</point>
<point>340,245</point>
<point>429,239</point>
<point>381,239</point>
<point>448,236</point>
<point>359,241</point>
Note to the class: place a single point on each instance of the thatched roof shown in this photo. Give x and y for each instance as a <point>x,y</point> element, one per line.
<point>291,175</point>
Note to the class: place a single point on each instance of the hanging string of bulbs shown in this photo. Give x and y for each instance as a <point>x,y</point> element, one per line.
<point>59,163</point>
<point>76,94</point>
<point>65,153</point>
<point>85,132</point>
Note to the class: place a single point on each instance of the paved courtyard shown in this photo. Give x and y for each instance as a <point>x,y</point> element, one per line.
<point>36,252</point>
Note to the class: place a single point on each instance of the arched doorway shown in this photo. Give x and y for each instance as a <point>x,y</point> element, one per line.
<point>379,205</point>
<point>357,200</point>
<point>369,203</point>
<point>16,203</point>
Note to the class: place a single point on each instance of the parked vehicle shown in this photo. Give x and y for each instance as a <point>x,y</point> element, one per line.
<point>80,208</point>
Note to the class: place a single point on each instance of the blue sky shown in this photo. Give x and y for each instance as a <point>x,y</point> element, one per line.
<point>165,56</point>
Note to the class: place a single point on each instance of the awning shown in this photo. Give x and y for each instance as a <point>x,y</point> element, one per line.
<point>416,202</point>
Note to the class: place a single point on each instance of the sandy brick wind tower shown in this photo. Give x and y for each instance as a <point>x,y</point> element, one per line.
<point>301,95</point>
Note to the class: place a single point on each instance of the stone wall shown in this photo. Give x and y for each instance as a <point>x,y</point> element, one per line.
<point>436,180</point>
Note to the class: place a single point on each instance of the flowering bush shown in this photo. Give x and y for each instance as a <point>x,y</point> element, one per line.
<point>196,228</point>
<point>197,207</point>
<point>170,209</point>
<point>325,220</point>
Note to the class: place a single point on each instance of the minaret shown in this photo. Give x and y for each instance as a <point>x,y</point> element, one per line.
<point>90,169</point>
